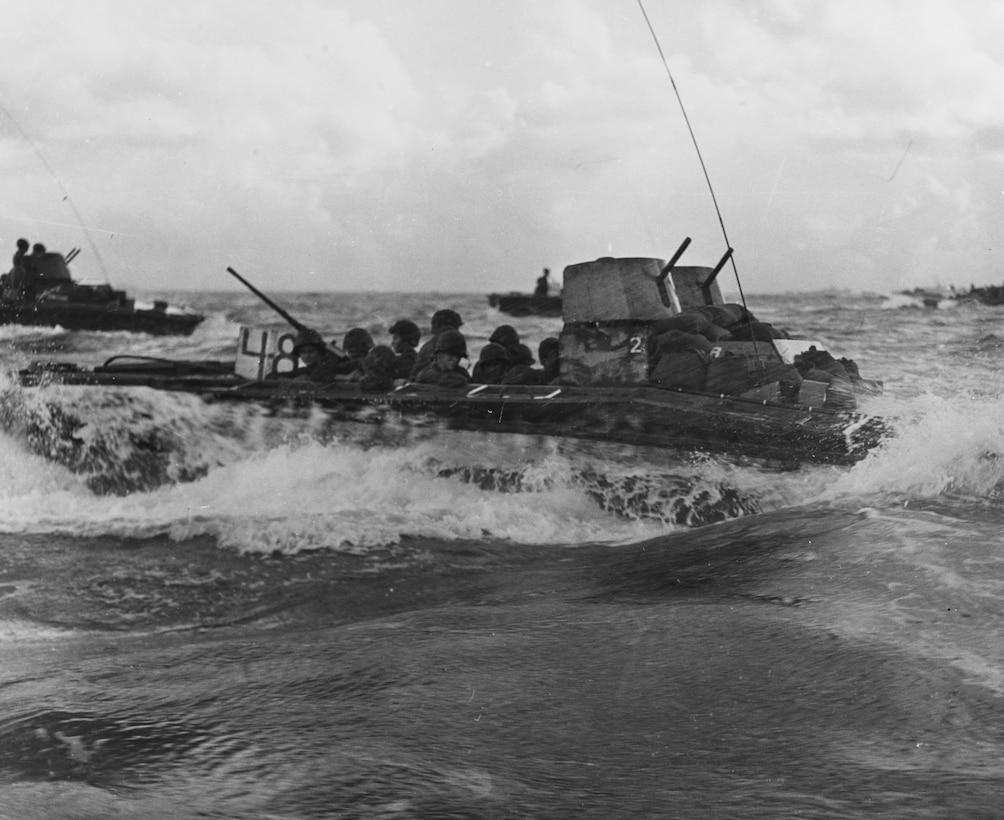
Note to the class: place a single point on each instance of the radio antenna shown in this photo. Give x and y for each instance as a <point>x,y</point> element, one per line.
<point>697,148</point>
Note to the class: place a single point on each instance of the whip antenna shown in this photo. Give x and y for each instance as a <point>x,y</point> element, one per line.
<point>697,148</point>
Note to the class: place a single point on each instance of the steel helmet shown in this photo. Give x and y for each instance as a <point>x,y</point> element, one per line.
<point>357,343</point>
<point>505,335</point>
<point>446,318</point>
<point>379,361</point>
<point>451,341</point>
<point>493,352</point>
<point>548,347</point>
<point>307,338</point>
<point>407,330</point>
<point>521,355</point>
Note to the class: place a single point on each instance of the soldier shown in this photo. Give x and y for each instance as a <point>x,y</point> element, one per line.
<point>32,272</point>
<point>542,284</point>
<point>405,336</point>
<point>521,370</point>
<point>22,249</point>
<point>319,361</point>
<point>357,344</point>
<point>378,370</point>
<point>16,280</point>
<point>506,336</point>
<point>492,364</point>
<point>548,353</point>
<point>442,320</point>
<point>445,319</point>
<point>445,369</point>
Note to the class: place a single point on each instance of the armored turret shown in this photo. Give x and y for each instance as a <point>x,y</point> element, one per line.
<point>612,307</point>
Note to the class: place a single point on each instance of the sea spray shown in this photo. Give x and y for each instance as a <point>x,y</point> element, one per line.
<point>941,446</point>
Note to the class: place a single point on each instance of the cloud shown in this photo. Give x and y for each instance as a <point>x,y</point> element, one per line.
<point>457,145</point>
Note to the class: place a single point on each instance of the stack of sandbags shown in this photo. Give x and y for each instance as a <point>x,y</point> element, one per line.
<point>819,366</point>
<point>681,356</point>
<point>841,375</point>
<point>679,359</point>
<point>680,347</point>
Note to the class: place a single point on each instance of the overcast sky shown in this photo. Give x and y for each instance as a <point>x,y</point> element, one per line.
<point>463,145</point>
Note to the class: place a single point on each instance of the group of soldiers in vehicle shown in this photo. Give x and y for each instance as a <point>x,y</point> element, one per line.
<point>504,360</point>
<point>23,280</point>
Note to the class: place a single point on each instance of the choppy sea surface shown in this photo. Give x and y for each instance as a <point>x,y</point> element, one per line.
<point>208,611</point>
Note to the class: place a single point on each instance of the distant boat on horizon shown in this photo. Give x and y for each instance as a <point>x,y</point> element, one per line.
<point>39,291</point>
<point>539,303</point>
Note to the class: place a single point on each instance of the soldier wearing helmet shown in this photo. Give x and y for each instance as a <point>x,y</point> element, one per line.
<point>404,339</point>
<point>378,370</point>
<point>16,280</point>
<point>522,370</point>
<point>492,364</point>
<point>449,348</point>
<point>318,361</point>
<point>549,354</point>
<point>308,344</point>
<point>505,335</point>
<point>442,320</point>
<point>446,319</point>
<point>356,344</point>
<point>22,249</point>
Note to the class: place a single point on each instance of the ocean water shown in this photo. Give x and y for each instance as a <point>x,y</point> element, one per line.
<point>208,611</point>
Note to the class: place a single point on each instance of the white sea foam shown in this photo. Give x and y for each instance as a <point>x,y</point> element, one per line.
<point>941,446</point>
<point>138,462</point>
<point>260,483</point>
<point>312,495</point>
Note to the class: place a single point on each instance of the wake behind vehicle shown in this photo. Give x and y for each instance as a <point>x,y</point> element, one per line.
<point>42,292</point>
<point>645,359</point>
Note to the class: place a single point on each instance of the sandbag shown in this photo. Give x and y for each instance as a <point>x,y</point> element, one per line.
<point>820,360</point>
<point>716,333</point>
<point>756,331</point>
<point>726,315</point>
<point>810,373</point>
<point>730,375</point>
<point>820,366</point>
<point>676,340</point>
<point>690,321</point>
<point>683,369</point>
<point>851,367</point>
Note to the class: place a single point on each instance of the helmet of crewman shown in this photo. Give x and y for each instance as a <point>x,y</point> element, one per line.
<point>548,348</point>
<point>493,352</point>
<point>379,361</point>
<point>451,341</point>
<point>446,318</point>
<point>357,343</point>
<point>307,338</point>
<point>521,354</point>
<point>506,336</point>
<point>407,330</point>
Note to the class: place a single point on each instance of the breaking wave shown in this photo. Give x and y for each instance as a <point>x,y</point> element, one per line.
<point>141,463</point>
